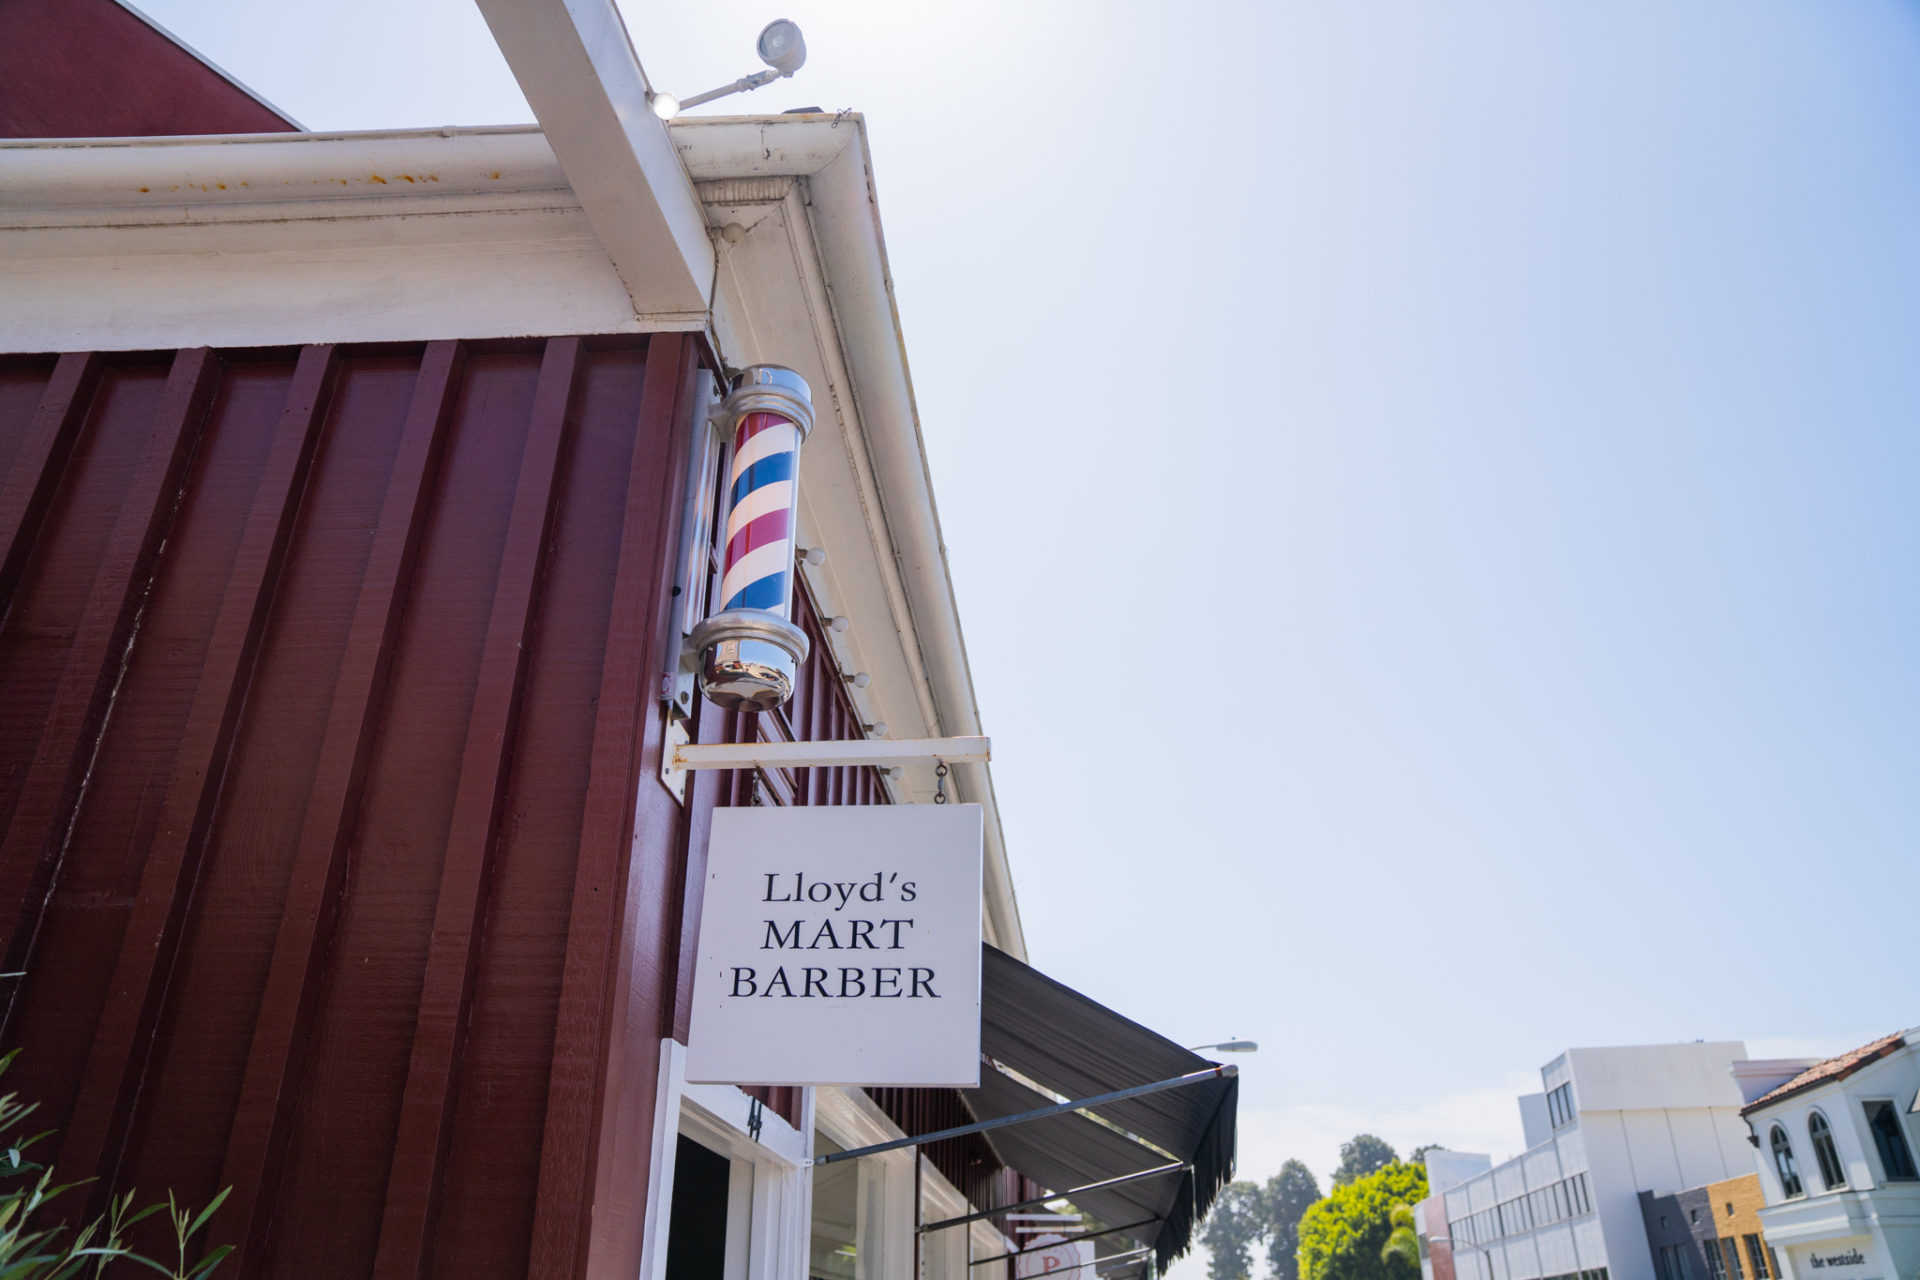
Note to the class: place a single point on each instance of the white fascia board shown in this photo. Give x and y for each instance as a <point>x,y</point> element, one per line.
<point>577,67</point>
<point>846,224</point>
<point>283,239</point>
<point>830,153</point>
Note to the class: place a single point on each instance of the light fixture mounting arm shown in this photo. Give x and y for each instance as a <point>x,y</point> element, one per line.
<point>757,80</point>
<point>780,46</point>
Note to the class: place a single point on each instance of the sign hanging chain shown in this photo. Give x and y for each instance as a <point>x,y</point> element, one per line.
<point>940,783</point>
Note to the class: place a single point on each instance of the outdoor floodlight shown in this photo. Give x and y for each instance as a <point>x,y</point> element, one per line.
<point>780,46</point>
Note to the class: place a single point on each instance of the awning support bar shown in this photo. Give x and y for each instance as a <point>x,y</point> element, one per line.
<point>1175,1167</point>
<point>1084,1235</point>
<point>1223,1071</point>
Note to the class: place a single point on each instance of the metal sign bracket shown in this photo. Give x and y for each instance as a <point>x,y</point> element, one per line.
<point>681,756</point>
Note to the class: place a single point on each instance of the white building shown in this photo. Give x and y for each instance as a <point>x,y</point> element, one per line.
<point>1607,1124</point>
<point>1835,1149</point>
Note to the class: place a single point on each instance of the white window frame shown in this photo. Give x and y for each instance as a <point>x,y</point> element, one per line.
<point>944,1255</point>
<point>884,1225</point>
<point>770,1193</point>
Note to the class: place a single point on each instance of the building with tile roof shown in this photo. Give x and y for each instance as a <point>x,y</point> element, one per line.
<point>1834,1144</point>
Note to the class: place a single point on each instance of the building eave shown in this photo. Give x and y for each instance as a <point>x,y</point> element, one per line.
<point>404,235</point>
<point>1827,1072</point>
<point>740,160</point>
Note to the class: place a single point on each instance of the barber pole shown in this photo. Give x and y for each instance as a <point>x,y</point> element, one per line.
<point>750,650</point>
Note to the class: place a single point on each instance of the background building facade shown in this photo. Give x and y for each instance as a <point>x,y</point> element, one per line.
<point>1709,1233</point>
<point>1608,1124</point>
<point>1835,1146</point>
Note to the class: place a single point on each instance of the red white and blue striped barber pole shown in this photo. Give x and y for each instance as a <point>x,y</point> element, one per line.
<point>750,650</point>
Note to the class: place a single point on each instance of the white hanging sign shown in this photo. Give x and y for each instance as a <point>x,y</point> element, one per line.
<point>840,945</point>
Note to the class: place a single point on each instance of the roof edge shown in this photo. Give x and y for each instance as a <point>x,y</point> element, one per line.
<point>830,150</point>
<point>211,65</point>
<point>1830,1071</point>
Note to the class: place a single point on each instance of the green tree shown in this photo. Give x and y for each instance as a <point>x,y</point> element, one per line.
<point>1237,1221</point>
<point>1401,1253</point>
<point>1362,1156</point>
<point>1342,1236</point>
<point>1289,1194</point>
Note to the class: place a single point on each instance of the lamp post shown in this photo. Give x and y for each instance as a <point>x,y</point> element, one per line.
<point>1228,1046</point>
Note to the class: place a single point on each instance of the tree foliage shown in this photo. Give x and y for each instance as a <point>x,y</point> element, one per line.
<point>36,1245</point>
<point>1290,1193</point>
<point>1343,1236</point>
<point>1402,1249</point>
<point>1364,1155</point>
<point>1235,1224</point>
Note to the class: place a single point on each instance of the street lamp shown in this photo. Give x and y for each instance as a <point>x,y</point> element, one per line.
<point>1228,1046</point>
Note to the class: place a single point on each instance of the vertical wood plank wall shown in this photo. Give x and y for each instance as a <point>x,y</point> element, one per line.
<point>331,839</point>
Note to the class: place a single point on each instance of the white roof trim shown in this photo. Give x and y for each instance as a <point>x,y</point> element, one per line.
<point>577,67</point>
<point>281,239</point>
<point>739,162</point>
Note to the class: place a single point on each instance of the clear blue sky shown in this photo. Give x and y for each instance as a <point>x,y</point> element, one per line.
<point>1465,454</point>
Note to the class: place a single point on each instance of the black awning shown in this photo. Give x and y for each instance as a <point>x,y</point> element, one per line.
<point>1076,1048</point>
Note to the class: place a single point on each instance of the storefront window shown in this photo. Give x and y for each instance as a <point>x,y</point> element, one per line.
<point>1831,1171</point>
<point>1895,1158</point>
<point>697,1230</point>
<point>834,1248</point>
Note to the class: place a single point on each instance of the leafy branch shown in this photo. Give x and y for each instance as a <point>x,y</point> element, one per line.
<point>32,1248</point>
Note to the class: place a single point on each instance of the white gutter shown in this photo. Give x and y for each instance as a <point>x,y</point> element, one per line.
<point>197,179</point>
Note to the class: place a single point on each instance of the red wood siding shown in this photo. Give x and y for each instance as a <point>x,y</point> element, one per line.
<point>94,69</point>
<point>331,841</point>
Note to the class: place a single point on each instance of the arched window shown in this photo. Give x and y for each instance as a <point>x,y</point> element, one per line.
<point>1784,1162</point>
<point>1832,1172</point>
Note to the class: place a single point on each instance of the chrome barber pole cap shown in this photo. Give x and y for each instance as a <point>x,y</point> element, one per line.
<point>750,650</point>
